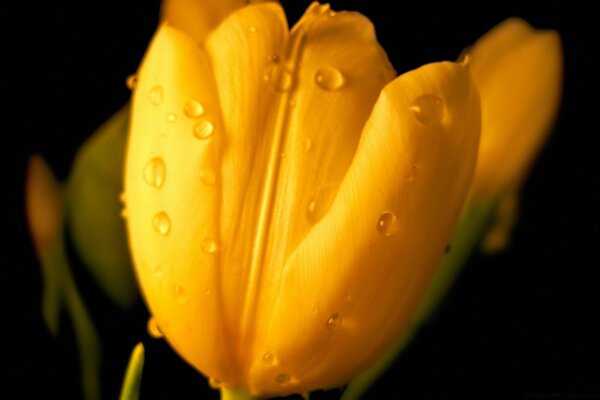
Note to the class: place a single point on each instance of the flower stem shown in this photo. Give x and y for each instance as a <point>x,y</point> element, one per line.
<point>234,394</point>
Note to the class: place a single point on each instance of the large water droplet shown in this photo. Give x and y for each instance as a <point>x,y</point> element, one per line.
<point>209,246</point>
<point>283,378</point>
<point>428,109</point>
<point>387,224</point>
<point>208,177</point>
<point>329,78</point>
<point>171,118</point>
<point>319,203</point>
<point>268,358</point>
<point>156,95</point>
<point>131,81</point>
<point>153,328</point>
<point>161,223</point>
<point>204,130</point>
<point>334,321</point>
<point>193,109</point>
<point>179,293</point>
<point>154,172</point>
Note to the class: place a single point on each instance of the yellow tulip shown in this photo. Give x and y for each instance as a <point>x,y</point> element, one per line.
<point>518,73</point>
<point>288,198</point>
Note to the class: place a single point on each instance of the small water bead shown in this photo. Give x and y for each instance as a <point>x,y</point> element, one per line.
<point>292,102</point>
<point>214,383</point>
<point>159,271</point>
<point>179,294</point>
<point>274,58</point>
<point>283,378</point>
<point>204,130</point>
<point>387,224</point>
<point>153,328</point>
<point>307,145</point>
<point>334,321</point>
<point>122,197</point>
<point>123,213</point>
<point>155,172</point>
<point>329,78</point>
<point>208,177</point>
<point>319,203</point>
<point>428,109</point>
<point>253,29</point>
<point>193,109</point>
<point>131,81</point>
<point>156,95</point>
<point>209,246</point>
<point>161,223</point>
<point>171,118</point>
<point>283,81</point>
<point>268,358</point>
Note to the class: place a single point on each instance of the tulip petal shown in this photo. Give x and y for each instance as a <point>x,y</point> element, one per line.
<point>198,18</point>
<point>172,199</point>
<point>277,160</point>
<point>518,72</point>
<point>369,259</point>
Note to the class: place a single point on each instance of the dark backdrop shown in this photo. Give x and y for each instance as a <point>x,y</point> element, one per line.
<point>518,325</point>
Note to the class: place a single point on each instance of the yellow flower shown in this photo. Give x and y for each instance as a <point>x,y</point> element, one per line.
<point>518,73</point>
<point>288,198</point>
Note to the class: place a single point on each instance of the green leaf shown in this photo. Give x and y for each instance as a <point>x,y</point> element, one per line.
<point>133,376</point>
<point>94,210</point>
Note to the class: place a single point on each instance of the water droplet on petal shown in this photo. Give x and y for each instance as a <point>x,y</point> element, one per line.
<point>214,383</point>
<point>274,58</point>
<point>307,145</point>
<point>179,294</point>
<point>204,130</point>
<point>123,197</point>
<point>280,78</point>
<point>131,81</point>
<point>171,117</point>
<point>159,271</point>
<point>428,109</point>
<point>154,172</point>
<point>209,246</point>
<point>319,203</point>
<point>333,322</point>
<point>153,328</point>
<point>208,177</point>
<point>252,29</point>
<point>293,102</point>
<point>123,213</point>
<point>156,95</point>
<point>387,224</point>
<point>329,78</point>
<point>161,223</point>
<point>283,379</point>
<point>193,109</point>
<point>268,358</point>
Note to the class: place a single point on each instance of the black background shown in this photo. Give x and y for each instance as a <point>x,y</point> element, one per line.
<point>522,324</point>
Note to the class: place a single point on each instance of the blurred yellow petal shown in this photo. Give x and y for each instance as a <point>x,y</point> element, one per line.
<point>198,17</point>
<point>518,72</point>
<point>352,283</point>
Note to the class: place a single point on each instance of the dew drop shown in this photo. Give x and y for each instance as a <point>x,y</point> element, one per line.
<point>131,81</point>
<point>207,292</point>
<point>283,378</point>
<point>161,223</point>
<point>279,78</point>
<point>122,197</point>
<point>171,117</point>
<point>156,95</point>
<point>274,58</point>
<point>154,172</point>
<point>292,102</point>
<point>209,246</point>
<point>387,224</point>
<point>214,383</point>
<point>329,78</point>
<point>333,322</point>
<point>428,109</point>
<point>193,109</point>
<point>208,177</point>
<point>307,145</point>
<point>319,203</point>
<point>153,328</point>
<point>268,358</point>
<point>179,294</point>
<point>123,213</point>
<point>252,29</point>
<point>204,130</point>
<point>159,271</point>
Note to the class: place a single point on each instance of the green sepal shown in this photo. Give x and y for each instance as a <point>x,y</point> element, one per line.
<point>471,228</point>
<point>94,209</point>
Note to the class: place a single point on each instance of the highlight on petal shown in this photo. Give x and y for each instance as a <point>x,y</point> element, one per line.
<point>198,17</point>
<point>518,72</point>
<point>355,280</point>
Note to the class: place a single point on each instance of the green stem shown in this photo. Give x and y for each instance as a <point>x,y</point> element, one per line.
<point>133,376</point>
<point>233,394</point>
